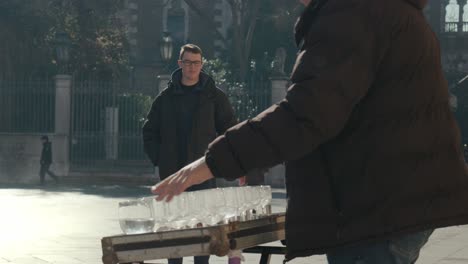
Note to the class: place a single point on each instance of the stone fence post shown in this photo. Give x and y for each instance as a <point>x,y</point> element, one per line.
<point>279,85</point>
<point>163,79</point>
<point>61,138</point>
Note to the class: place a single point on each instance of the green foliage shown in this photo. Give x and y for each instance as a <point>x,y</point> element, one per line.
<point>133,108</point>
<point>275,29</point>
<point>99,45</point>
<point>23,27</point>
<point>27,29</point>
<point>237,92</point>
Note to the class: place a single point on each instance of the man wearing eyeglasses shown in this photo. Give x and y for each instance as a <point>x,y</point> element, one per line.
<point>184,118</point>
<point>373,154</point>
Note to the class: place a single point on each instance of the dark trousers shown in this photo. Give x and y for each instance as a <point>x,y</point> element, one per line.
<point>196,259</point>
<point>399,250</point>
<point>45,170</point>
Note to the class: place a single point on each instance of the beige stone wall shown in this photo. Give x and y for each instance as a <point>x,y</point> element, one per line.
<point>20,155</point>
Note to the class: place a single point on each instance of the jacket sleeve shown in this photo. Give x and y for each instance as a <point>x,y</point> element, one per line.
<point>224,113</point>
<point>151,132</point>
<point>331,75</point>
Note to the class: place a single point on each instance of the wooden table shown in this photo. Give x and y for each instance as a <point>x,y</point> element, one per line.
<point>213,240</point>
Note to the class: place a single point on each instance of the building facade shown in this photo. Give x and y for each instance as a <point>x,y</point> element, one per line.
<point>148,20</point>
<point>449,19</point>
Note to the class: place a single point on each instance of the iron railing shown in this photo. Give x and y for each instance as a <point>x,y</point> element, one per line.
<point>106,116</point>
<point>106,124</point>
<point>27,105</point>
<point>453,27</point>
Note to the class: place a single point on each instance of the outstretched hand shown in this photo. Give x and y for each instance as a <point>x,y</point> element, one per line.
<point>194,173</point>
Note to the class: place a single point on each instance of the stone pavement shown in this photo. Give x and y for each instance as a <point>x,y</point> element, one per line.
<point>64,225</point>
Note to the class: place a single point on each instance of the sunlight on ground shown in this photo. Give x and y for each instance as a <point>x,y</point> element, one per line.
<point>29,219</point>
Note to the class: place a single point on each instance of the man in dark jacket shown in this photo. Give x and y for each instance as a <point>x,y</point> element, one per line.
<point>184,118</point>
<point>372,149</point>
<point>46,160</point>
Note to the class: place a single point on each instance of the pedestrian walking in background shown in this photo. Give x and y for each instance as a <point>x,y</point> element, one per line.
<point>46,160</point>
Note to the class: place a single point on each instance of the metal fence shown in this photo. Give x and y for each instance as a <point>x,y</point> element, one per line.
<point>27,105</point>
<point>106,116</point>
<point>107,119</point>
<point>452,27</point>
<point>250,99</point>
<point>106,125</point>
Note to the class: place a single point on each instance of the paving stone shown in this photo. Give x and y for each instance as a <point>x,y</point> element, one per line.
<point>28,260</point>
<point>451,261</point>
<point>65,226</point>
<point>59,259</point>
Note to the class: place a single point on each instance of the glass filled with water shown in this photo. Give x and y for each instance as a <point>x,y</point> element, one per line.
<point>136,216</point>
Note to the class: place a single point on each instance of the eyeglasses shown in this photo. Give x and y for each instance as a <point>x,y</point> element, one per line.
<point>189,63</point>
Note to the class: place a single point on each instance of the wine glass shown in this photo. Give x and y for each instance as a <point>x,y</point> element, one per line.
<point>232,204</point>
<point>177,210</point>
<point>266,197</point>
<point>161,216</point>
<point>136,216</point>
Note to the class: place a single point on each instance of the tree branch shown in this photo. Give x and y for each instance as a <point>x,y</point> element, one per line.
<point>251,22</point>
<point>208,21</point>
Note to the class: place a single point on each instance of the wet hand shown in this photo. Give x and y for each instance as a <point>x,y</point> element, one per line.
<point>194,173</point>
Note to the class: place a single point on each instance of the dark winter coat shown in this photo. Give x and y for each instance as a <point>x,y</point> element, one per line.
<point>212,116</point>
<point>46,153</point>
<point>371,146</point>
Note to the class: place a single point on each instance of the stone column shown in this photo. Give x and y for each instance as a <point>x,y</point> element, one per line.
<point>461,4</point>
<point>443,24</point>
<point>111,129</point>
<point>463,26</point>
<point>61,138</point>
<point>279,85</point>
<point>163,80</point>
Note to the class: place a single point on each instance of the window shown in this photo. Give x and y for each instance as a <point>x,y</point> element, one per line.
<point>452,16</point>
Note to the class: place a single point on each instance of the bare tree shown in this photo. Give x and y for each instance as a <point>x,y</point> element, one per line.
<point>244,14</point>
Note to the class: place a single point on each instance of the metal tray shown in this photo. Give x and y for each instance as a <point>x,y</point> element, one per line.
<point>213,240</point>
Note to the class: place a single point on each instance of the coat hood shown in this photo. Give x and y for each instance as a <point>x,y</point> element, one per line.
<point>205,81</point>
<point>418,3</point>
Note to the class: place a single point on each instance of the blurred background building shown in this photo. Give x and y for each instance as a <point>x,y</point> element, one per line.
<point>85,72</point>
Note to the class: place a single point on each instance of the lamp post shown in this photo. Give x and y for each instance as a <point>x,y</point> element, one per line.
<point>166,46</point>
<point>63,83</point>
<point>62,53</point>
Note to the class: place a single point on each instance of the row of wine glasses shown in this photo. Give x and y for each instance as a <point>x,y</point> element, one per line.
<point>195,209</point>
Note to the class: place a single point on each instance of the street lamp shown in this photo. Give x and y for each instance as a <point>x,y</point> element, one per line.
<point>166,46</point>
<point>62,47</point>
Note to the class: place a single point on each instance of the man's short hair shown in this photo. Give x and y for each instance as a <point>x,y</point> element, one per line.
<point>190,48</point>
<point>45,138</point>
